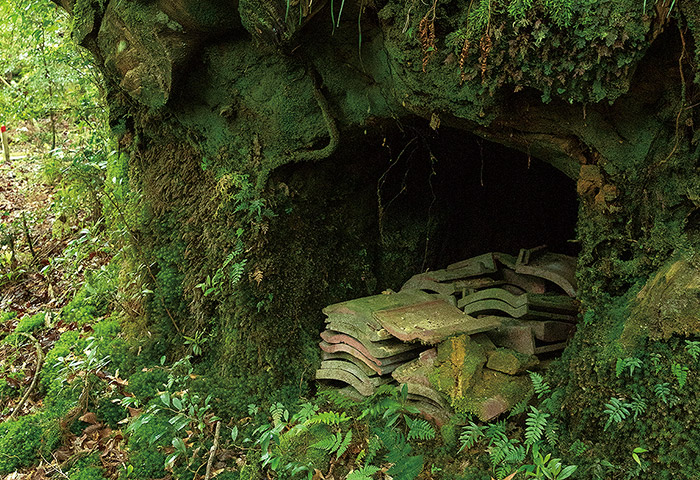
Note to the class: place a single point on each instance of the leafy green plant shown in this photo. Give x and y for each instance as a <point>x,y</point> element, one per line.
<point>663,392</point>
<point>188,415</point>
<point>541,387</point>
<point>680,372</point>
<point>638,406</point>
<point>363,473</point>
<point>196,342</point>
<point>617,411</point>
<point>335,444</point>
<point>546,466</point>
<point>629,363</point>
<point>635,454</point>
<point>419,428</point>
<point>693,348</point>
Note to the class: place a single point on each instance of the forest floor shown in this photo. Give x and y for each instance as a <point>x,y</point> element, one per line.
<point>43,262</point>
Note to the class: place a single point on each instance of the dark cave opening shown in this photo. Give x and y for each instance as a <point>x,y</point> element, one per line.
<point>470,196</point>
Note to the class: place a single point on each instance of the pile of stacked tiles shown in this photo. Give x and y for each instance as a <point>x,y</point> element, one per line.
<point>523,303</point>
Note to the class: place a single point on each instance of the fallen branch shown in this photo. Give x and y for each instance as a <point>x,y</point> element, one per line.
<point>39,362</point>
<point>212,451</point>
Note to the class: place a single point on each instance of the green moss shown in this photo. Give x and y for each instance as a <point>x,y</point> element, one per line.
<point>145,384</point>
<point>457,368</point>
<point>30,324</point>
<point>147,464</point>
<point>89,473</point>
<point>24,440</point>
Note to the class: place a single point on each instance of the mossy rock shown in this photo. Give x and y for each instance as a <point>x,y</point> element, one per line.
<point>509,361</point>
<point>495,393</point>
<point>668,304</point>
<point>457,367</point>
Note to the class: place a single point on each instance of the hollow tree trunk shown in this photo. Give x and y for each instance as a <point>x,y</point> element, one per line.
<point>265,143</point>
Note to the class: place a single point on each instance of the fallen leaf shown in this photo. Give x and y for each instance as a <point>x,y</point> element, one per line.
<point>89,417</point>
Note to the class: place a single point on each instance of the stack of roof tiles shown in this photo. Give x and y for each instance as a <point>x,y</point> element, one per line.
<point>525,304</point>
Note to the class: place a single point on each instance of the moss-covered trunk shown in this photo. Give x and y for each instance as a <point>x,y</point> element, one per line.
<point>283,163</point>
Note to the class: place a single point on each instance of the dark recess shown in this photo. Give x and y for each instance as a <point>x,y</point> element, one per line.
<point>479,196</point>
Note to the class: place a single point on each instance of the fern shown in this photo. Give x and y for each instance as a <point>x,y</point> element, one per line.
<point>631,363</point>
<point>344,445</point>
<point>307,411</point>
<point>662,392</point>
<point>638,406</point>
<point>419,429</point>
<point>329,418</point>
<point>541,387</point>
<point>364,473</point>
<point>338,399</point>
<point>681,373</point>
<point>577,448</point>
<point>471,434</point>
<point>693,348</point>
<point>518,8</point>
<point>551,432</point>
<point>536,423</point>
<point>519,408</point>
<point>561,11</point>
<point>336,443</point>
<point>373,447</point>
<point>503,449</point>
<point>617,411</point>
<point>279,413</point>
<point>405,466</point>
<point>496,432</point>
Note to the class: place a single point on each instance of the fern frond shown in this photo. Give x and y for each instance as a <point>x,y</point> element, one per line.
<point>278,412</point>
<point>419,428</point>
<point>662,391</point>
<point>500,450</point>
<point>471,434</point>
<point>541,387</point>
<point>329,418</point>
<point>496,432</point>
<point>577,448</point>
<point>307,411</point>
<point>551,432</point>
<point>364,473</point>
<point>336,398</point>
<point>617,411</point>
<point>693,348</point>
<point>373,447</point>
<point>408,468</point>
<point>330,443</point>
<point>680,372</point>
<point>536,422</point>
<point>638,406</point>
<point>519,407</point>
<point>344,445</point>
<point>516,455</point>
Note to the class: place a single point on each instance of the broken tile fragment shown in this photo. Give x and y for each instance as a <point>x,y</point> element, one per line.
<point>509,361</point>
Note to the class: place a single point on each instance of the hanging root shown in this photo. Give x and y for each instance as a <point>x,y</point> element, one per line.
<point>463,60</point>
<point>485,46</point>
<point>333,132</point>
